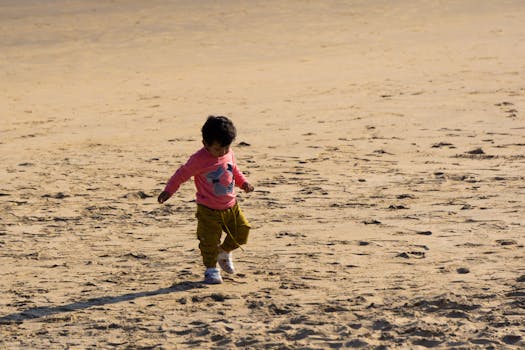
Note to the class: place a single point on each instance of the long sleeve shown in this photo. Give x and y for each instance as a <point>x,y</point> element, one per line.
<point>239,177</point>
<point>183,174</point>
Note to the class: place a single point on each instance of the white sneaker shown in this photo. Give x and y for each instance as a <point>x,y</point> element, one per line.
<point>225,261</point>
<point>212,276</point>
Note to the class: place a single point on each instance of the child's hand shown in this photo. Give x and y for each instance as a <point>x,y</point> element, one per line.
<point>247,187</point>
<point>164,196</point>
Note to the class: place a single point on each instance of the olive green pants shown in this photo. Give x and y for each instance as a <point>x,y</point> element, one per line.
<point>211,224</point>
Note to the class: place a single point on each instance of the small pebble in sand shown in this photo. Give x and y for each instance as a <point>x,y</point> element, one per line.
<point>476,151</point>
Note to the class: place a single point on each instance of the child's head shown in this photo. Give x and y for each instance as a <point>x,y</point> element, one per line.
<point>217,134</point>
<point>218,130</point>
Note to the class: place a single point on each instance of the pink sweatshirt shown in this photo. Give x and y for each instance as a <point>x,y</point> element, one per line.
<point>215,179</point>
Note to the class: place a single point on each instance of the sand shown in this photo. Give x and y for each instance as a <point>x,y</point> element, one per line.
<point>386,143</point>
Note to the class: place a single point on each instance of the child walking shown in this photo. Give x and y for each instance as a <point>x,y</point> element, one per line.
<point>215,174</point>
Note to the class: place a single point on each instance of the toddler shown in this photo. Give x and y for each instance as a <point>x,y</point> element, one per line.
<point>215,174</point>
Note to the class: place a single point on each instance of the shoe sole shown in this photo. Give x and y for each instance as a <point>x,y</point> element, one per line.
<point>212,281</point>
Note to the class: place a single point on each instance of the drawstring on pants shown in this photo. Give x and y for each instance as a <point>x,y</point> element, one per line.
<point>228,230</point>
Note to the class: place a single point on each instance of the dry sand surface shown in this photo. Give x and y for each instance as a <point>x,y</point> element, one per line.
<point>386,142</point>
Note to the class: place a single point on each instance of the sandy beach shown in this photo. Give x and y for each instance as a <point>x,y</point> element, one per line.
<point>385,141</point>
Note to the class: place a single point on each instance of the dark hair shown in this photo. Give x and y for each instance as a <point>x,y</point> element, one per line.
<point>218,129</point>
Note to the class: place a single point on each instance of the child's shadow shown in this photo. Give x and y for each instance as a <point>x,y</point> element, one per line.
<point>43,311</point>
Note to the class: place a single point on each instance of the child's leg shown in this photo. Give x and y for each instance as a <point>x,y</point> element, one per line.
<point>238,226</point>
<point>209,230</point>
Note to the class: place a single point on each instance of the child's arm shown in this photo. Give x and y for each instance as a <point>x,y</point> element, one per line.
<point>182,175</point>
<point>240,179</point>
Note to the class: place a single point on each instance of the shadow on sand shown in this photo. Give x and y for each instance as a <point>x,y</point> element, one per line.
<point>43,311</point>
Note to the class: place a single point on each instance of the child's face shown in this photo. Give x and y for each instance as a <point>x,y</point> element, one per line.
<point>216,150</point>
